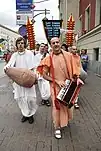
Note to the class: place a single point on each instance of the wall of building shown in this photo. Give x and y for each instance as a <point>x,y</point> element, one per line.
<point>82,9</point>
<point>10,37</point>
<point>92,42</point>
<point>73,8</point>
<point>91,39</point>
<point>68,7</point>
<point>62,12</point>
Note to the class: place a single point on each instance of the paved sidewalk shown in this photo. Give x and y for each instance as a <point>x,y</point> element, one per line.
<point>2,63</point>
<point>83,133</point>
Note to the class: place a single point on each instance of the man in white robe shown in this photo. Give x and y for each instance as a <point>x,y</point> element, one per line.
<point>43,84</point>
<point>25,97</point>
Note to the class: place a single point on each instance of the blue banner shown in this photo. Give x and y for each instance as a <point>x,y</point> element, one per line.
<point>24,5</point>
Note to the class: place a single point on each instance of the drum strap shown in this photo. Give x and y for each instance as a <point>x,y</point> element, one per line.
<point>66,65</point>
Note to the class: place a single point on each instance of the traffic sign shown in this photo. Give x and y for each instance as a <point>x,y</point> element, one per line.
<point>23,31</point>
<point>24,5</point>
<point>21,18</point>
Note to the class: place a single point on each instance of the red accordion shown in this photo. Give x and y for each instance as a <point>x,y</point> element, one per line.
<point>69,93</point>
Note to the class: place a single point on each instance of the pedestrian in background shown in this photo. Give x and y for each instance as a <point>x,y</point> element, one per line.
<point>84,59</point>
<point>64,47</point>
<point>43,84</point>
<point>36,48</point>
<point>77,61</point>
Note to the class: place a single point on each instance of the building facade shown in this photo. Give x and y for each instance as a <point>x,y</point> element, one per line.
<point>7,38</point>
<point>66,8</point>
<point>88,28</point>
<point>90,36</point>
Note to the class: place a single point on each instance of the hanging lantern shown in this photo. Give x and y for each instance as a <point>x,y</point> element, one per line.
<point>70,33</point>
<point>30,33</point>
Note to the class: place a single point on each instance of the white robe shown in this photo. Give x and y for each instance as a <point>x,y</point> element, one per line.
<point>43,84</point>
<point>25,97</point>
<point>38,58</point>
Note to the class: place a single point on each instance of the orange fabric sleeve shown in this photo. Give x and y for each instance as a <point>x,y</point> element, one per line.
<point>76,64</point>
<point>44,65</point>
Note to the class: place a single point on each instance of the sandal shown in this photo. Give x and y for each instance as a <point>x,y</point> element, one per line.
<point>43,102</point>
<point>76,106</point>
<point>57,134</point>
<point>48,103</point>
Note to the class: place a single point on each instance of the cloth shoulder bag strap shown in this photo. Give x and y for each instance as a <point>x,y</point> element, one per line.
<point>66,65</point>
<point>56,102</point>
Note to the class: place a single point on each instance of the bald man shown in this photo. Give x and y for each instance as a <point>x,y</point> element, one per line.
<point>57,67</point>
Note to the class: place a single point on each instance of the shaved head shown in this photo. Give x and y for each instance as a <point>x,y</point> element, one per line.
<point>55,45</point>
<point>74,49</point>
<point>55,38</point>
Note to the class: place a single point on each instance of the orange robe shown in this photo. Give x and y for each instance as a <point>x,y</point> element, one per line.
<point>76,61</point>
<point>63,69</point>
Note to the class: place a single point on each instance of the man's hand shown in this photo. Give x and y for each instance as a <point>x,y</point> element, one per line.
<point>60,83</point>
<point>79,81</point>
<point>5,68</point>
<point>36,81</point>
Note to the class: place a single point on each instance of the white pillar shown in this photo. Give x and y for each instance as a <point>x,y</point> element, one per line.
<point>100,54</point>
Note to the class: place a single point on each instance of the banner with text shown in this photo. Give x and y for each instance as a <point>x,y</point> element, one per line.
<point>52,28</point>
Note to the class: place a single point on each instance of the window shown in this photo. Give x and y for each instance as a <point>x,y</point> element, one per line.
<point>87,18</point>
<point>80,24</point>
<point>98,12</point>
<point>96,54</point>
<point>80,7</point>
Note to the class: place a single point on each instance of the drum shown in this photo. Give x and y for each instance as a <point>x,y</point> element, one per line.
<point>68,94</point>
<point>23,77</point>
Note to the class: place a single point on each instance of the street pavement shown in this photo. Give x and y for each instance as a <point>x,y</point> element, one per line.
<point>82,134</point>
<point>2,63</point>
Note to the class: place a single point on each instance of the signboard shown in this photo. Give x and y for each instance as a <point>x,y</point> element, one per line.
<point>24,5</point>
<point>23,9</point>
<point>21,18</point>
<point>52,28</point>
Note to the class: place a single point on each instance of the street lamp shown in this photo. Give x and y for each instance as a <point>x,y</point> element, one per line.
<point>45,11</point>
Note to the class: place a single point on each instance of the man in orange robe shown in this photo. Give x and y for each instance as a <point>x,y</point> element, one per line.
<point>77,61</point>
<point>64,68</point>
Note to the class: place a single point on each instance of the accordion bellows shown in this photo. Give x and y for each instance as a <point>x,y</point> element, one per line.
<point>21,76</point>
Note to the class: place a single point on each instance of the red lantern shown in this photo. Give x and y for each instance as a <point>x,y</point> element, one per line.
<point>31,35</point>
<point>70,28</point>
